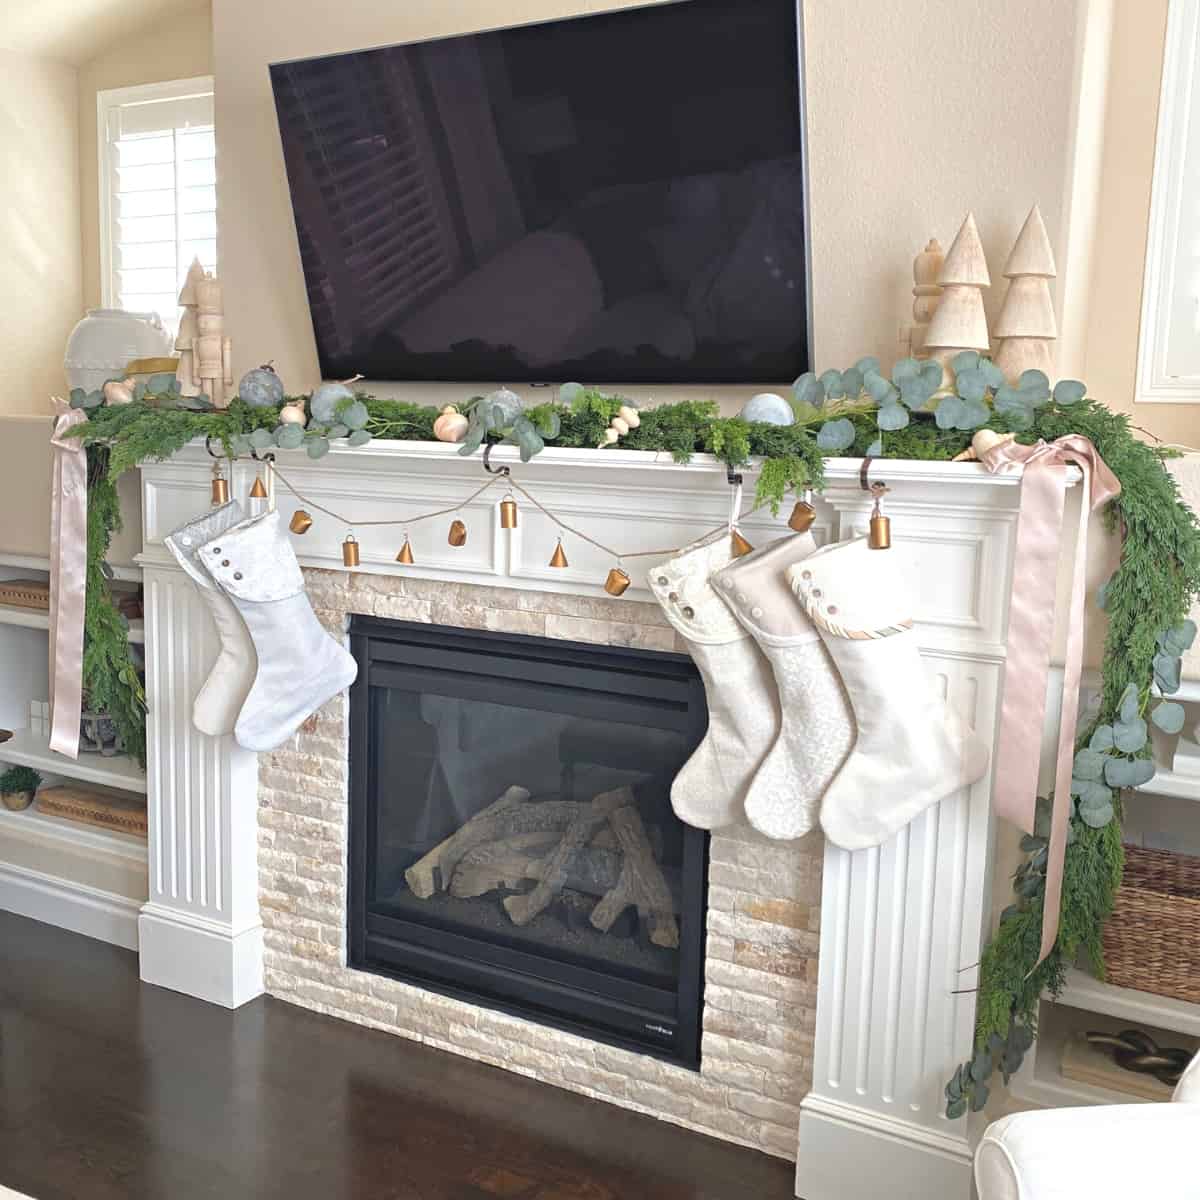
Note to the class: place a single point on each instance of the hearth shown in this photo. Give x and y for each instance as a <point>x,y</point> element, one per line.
<point>511,835</point>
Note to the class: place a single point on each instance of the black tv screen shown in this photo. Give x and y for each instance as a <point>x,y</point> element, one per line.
<point>616,198</point>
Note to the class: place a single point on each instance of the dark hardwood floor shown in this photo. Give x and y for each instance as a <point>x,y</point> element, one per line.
<point>112,1090</point>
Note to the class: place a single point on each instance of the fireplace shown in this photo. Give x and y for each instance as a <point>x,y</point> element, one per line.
<point>512,840</point>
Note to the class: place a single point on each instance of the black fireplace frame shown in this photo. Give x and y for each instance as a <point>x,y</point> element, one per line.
<point>654,1021</point>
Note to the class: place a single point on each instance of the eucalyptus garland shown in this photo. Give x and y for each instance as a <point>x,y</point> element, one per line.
<point>858,411</point>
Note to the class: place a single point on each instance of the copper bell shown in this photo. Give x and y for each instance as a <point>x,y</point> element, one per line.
<point>558,558</point>
<point>406,555</point>
<point>617,582</point>
<point>803,516</point>
<point>508,513</point>
<point>301,521</point>
<point>220,486</point>
<point>350,551</point>
<point>259,490</point>
<point>880,537</point>
<point>458,534</point>
<point>738,545</point>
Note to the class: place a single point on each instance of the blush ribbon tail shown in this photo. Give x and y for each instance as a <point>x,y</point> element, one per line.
<point>68,579</point>
<point>1030,628</point>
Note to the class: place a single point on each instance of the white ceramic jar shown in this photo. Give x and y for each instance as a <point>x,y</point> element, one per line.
<point>107,340</point>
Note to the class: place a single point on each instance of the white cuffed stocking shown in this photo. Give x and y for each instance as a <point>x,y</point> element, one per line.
<point>300,666</point>
<point>911,751</point>
<point>743,705</point>
<point>817,727</point>
<point>220,699</point>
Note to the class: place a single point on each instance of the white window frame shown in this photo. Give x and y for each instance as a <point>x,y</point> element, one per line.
<point>106,101</point>
<point>1177,99</point>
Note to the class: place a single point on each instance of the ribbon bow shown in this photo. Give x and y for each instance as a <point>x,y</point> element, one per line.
<point>68,579</point>
<point>1030,626</point>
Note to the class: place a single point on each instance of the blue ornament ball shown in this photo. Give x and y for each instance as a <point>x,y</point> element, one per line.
<point>325,400</point>
<point>768,408</point>
<point>261,388</point>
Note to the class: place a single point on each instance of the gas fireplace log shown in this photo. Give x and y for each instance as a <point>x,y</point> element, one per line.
<point>642,884</point>
<point>421,877</point>
<point>557,868</point>
<point>505,863</point>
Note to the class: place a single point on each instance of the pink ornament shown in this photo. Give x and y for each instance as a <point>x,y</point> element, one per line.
<point>451,426</point>
<point>292,414</point>
<point>118,391</point>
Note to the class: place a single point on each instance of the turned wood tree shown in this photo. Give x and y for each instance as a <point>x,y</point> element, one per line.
<point>959,323</point>
<point>1026,326</point>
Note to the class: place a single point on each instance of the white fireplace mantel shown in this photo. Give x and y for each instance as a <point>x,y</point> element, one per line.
<point>902,925</point>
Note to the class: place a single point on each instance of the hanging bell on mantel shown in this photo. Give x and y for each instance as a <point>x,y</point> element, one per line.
<point>350,551</point>
<point>405,557</point>
<point>738,545</point>
<point>301,521</point>
<point>458,534</point>
<point>220,486</point>
<point>259,490</point>
<point>508,513</point>
<point>803,514</point>
<point>879,536</point>
<point>617,582</point>
<point>559,557</point>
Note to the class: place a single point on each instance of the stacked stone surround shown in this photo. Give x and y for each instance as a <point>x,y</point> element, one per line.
<point>761,963</point>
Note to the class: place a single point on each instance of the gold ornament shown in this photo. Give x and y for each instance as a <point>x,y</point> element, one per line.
<point>220,486</point>
<point>558,558</point>
<point>350,551</point>
<point>803,516</point>
<point>738,545</point>
<point>617,582</point>
<point>301,522</point>
<point>259,490</point>
<point>880,536</point>
<point>458,534</point>
<point>508,513</point>
<point>406,555</point>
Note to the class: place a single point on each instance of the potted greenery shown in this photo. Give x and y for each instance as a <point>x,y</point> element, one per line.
<point>17,787</point>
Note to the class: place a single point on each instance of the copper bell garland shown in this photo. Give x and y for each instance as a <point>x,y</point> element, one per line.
<point>457,535</point>
<point>559,557</point>
<point>405,556</point>
<point>301,521</point>
<point>880,535</point>
<point>350,551</point>
<point>259,490</point>
<point>220,486</point>
<point>803,516</point>
<point>617,582</point>
<point>738,544</point>
<point>508,513</point>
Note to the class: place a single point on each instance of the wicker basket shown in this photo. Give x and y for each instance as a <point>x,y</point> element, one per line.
<point>1152,939</point>
<point>25,593</point>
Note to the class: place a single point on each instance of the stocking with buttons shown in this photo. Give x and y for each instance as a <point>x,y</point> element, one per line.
<point>743,704</point>
<point>911,751</point>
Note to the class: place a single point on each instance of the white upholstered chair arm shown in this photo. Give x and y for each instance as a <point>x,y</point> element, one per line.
<point>1103,1153</point>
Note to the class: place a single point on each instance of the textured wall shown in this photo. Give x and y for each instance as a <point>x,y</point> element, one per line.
<point>761,972</point>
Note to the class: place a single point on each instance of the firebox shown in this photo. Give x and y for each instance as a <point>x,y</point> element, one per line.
<point>512,840</point>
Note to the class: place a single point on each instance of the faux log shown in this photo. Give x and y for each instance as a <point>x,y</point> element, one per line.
<point>641,884</point>
<point>556,871</point>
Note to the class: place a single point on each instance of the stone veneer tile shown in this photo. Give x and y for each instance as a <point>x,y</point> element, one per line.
<point>759,1015</point>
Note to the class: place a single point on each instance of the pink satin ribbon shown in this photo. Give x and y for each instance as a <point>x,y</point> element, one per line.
<point>68,579</point>
<point>1030,629</point>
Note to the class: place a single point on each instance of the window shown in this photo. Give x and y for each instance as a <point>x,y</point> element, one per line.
<point>158,200</point>
<point>1169,349</point>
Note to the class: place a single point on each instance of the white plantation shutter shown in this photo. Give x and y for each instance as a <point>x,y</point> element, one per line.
<point>157,192</point>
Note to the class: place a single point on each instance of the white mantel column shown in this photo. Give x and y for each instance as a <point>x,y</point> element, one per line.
<point>200,931</point>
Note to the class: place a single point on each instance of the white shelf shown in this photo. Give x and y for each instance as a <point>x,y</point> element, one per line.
<point>28,618</point>
<point>63,834</point>
<point>1174,784</point>
<point>1126,1004</point>
<point>31,750</point>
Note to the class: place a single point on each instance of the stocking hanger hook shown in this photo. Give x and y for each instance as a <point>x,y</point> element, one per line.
<point>487,466</point>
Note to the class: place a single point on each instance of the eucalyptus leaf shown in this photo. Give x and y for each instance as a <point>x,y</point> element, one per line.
<point>930,374</point>
<point>1009,401</point>
<point>1102,738</point>
<point>1102,595</point>
<point>240,444</point>
<point>875,449</point>
<point>1168,671</point>
<point>549,425</point>
<point>970,385</point>
<point>1031,842</point>
<point>976,415</point>
<point>903,369</point>
<point>570,392</point>
<point>1178,639</point>
<point>979,1097</point>
<point>867,365</point>
<point>93,400</point>
<point>914,394</point>
<point>981,1066</point>
<point>836,435</point>
<point>964,361</point>
<point>358,437</point>
<point>1090,791</point>
<point>1168,716</point>
<point>992,373</point>
<point>160,383</point>
<point>1089,764</point>
<point>892,416</point>
<point>1096,816</point>
<point>289,437</point>
<point>879,389</point>
<point>355,416</point>
<point>1130,736</point>
<point>1029,886</point>
<point>831,381</point>
<point>953,1090</point>
<point>318,447</point>
<point>77,397</point>
<point>852,382</point>
<point>1130,703</point>
<point>956,1109</point>
<point>808,390</point>
<point>260,439</point>
<point>949,412</point>
<point>1069,391</point>
<point>1034,381</point>
<point>1128,772</point>
<point>337,431</point>
<point>474,438</point>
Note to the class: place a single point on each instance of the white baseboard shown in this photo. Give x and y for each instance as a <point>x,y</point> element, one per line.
<point>74,906</point>
<point>199,957</point>
<point>848,1153</point>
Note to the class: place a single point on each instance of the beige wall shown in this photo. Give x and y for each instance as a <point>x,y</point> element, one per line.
<point>39,228</point>
<point>917,113</point>
<point>179,47</point>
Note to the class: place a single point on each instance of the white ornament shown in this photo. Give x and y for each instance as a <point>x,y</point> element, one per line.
<point>292,414</point>
<point>1027,327</point>
<point>621,426</point>
<point>768,408</point>
<point>610,436</point>
<point>629,415</point>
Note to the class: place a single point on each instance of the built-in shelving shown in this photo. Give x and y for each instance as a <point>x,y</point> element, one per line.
<point>71,835</point>
<point>27,618</point>
<point>1144,1008</point>
<point>32,750</point>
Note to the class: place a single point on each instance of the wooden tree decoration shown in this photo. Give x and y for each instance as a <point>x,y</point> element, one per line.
<point>205,354</point>
<point>1026,326</point>
<point>960,322</point>
<point>926,292</point>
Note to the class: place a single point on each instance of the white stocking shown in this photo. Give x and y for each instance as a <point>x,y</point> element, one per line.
<point>743,705</point>
<point>911,751</point>
<point>817,727</point>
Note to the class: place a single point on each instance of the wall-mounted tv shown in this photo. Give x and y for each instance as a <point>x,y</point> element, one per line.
<point>616,198</point>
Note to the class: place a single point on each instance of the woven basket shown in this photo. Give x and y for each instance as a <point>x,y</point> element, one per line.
<point>1152,939</point>
<point>25,593</point>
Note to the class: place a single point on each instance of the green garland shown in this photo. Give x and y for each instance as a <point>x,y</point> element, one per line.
<point>854,412</point>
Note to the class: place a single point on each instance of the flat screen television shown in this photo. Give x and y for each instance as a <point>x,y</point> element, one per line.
<point>616,198</point>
